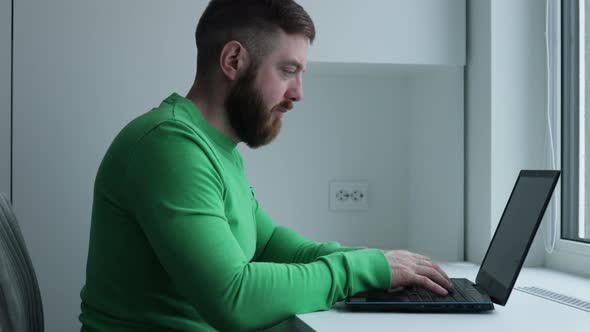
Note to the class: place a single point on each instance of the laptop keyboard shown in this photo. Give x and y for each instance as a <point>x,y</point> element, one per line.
<point>462,293</point>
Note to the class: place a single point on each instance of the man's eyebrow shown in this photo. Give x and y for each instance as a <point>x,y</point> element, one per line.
<point>293,63</point>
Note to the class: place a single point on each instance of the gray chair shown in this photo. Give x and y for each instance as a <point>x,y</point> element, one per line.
<point>21,309</point>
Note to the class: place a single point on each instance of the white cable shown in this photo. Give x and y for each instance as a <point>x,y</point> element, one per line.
<point>552,222</point>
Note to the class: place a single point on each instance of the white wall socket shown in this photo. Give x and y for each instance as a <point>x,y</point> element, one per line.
<point>349,195</point>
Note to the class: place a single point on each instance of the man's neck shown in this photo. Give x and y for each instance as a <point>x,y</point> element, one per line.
<point>210,104</point>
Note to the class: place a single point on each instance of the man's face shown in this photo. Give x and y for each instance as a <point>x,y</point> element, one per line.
<point>257,101</point>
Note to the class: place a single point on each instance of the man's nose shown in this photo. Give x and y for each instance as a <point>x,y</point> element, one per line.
<point>295,91</point>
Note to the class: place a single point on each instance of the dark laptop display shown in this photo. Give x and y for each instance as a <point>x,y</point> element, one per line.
<point>500,268</point>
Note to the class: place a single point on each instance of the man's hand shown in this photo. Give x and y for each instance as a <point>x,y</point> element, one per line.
<point>408,268</point>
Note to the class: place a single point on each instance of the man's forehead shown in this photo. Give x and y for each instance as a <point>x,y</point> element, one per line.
<point>292,50</point>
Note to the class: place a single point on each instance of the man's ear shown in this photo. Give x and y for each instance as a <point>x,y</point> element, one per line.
<point>233,59</point>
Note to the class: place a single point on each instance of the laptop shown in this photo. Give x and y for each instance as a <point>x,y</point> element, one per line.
<point>501,265</point>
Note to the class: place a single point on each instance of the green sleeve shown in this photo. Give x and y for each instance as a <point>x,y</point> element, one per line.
<point>176,195</point>
<point>280,244</point>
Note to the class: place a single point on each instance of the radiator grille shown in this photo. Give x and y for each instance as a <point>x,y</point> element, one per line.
<point>556,297</point>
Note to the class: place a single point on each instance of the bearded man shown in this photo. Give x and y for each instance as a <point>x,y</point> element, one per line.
<point>178,240</point>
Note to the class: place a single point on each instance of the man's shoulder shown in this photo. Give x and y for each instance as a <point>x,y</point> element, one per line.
<point>161,125</point>
<point>166,119</point>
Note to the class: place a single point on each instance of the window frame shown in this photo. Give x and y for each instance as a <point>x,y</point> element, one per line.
<point>569,255</point>
<point>570,112</point>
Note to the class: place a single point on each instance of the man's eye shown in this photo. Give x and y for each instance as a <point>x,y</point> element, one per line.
<point>290,71</point>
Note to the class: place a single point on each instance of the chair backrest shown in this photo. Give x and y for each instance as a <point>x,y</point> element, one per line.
<point>21,309</point>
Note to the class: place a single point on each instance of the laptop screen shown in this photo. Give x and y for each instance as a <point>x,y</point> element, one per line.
<point>517,227</point>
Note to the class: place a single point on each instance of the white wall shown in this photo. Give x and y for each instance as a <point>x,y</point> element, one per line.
<point>436,162</point>
<point>389,31</point>
<point>518,100</point>
<point>5,50</point>
<point>505,93</point>
<point>478,131</point>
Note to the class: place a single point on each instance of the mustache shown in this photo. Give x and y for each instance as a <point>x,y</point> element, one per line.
<point>287,104</point>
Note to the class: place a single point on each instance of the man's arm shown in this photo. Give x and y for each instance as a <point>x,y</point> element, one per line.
<point>283,245</point>
<point>177,198</point>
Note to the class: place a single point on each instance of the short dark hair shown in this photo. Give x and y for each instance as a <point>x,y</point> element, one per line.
<point>253,23</point>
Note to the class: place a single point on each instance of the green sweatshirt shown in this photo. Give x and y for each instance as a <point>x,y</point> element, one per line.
<point>179,242</point>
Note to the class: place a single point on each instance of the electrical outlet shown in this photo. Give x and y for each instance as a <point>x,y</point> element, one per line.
<point>349,195</point>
